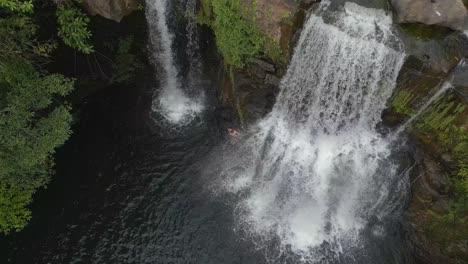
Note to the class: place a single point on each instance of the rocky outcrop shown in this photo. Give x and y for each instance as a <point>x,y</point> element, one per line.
<point>447,13</point>
<point>276,18</point>
<point>460,78</point>
<point>425,229</point>
<point>251,91</point>
<point>111,9</point>
<point>434,56</point>
<point>271,15</point>
<point>429,64</point>
<point>279,19</point>
<point>435,232</point>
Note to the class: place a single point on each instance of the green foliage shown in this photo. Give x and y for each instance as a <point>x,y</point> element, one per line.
<point>73,28</point>
<point>400,102</point>
<point>15,35</point>
<point>274,51</point>
<point>449,230</point>
<point>17,31</point>
<point>31,127</point>
<point>17,5</point>
<point>126,65</point>
<point>237,37</point>
<point>13,201</point>
<point>33,122</point>
<point>463,174</point>
<point>238,40</point>
<point>205,14</point>
<point>441,121</point>
<point>17,42</point>
<point>425,32</point>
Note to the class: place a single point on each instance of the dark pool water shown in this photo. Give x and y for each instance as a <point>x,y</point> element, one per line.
<point>130,189</point>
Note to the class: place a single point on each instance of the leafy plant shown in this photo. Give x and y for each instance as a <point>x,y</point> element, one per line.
<point>73,28</point>
<point>32,125</point>
<point>441,121</point>
<point>238,40</point>
<point>126,65</point>
<point>33,120</point>
<point>17,5</point>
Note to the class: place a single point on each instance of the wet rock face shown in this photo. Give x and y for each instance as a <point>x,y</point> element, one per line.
<point>460,78</point>
<point>429,64</point>
<point>440,134</point>
<point>252,92</point>
<point>273,16</point>
<point>447,13</point>
<point>111,9</point>
<point>431,239</point>
<point>279,19</point>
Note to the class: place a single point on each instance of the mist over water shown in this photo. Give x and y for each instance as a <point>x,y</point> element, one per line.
<point>315,178</point>
<point>176,100</point>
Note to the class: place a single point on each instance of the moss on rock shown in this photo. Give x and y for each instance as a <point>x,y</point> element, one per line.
<point>425,32</point>
<point>400,102</point>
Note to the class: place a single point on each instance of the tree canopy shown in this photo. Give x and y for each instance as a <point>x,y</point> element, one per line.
<point>34,118</point>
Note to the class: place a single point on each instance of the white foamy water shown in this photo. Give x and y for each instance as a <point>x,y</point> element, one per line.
<point>172,102</point>
<point>316,170</point>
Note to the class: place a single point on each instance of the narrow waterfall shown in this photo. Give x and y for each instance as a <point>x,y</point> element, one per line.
<point>173,100</point>
<point>193,49</point>
<point>316,172</point>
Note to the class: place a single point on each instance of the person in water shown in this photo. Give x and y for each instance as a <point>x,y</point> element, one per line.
<point>233,136</point>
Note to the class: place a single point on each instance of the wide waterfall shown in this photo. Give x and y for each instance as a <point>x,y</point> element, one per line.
<point>315,174</point>
<point>176,100</point>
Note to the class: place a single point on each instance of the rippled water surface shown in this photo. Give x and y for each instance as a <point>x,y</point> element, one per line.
<point>313,182</point>
<point>130,193</point>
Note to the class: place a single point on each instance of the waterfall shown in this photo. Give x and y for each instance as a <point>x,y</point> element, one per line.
<point>193,49</point>
<point>315,173</point>
<point>173,101</point>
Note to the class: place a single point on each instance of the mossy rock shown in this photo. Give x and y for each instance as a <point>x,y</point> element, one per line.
<point>425,32</point>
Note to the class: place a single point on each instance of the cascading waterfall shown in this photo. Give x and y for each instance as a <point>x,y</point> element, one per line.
<point>316,172</point>
<point>173,101</point>
<point>193,49</point>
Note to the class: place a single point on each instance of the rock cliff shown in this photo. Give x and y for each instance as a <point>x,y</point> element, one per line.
<point>436,230</point>
<point>111,9</point>
<point>447,13</point>
<point>435,220</point>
